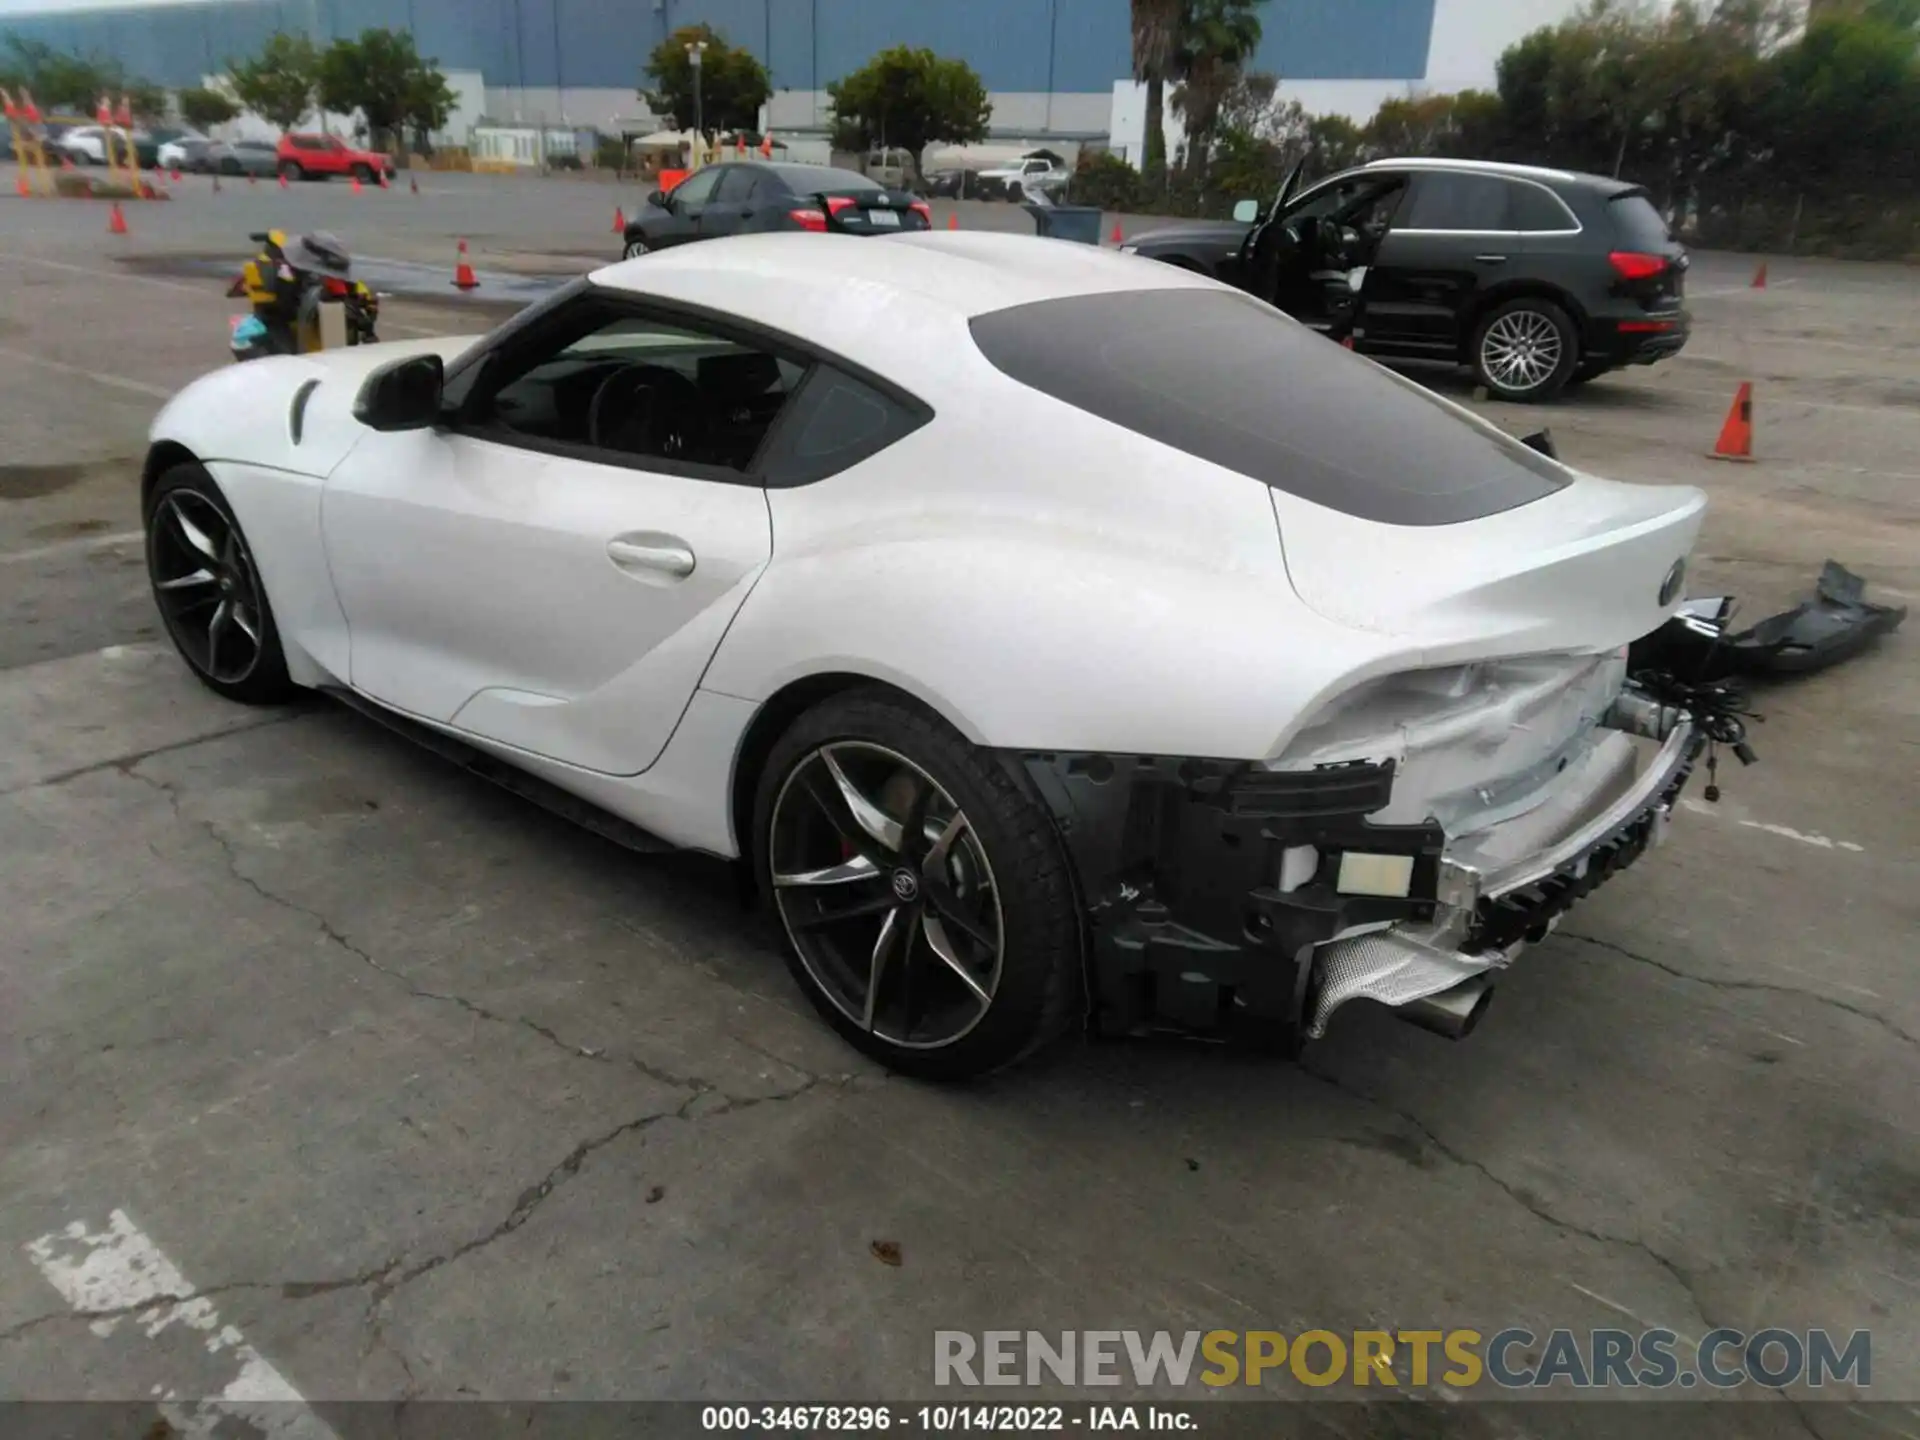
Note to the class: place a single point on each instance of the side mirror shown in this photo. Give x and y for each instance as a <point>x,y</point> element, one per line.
<point>402,395</point>
<point>1247,211</point>
<point>659,200</point>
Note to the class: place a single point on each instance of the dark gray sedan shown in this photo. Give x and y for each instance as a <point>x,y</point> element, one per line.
<point>242,157</point>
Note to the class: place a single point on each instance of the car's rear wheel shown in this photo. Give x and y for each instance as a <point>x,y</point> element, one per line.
<point>1525,349</point>
<point>925,900</point>
<point>209,590</point>
<point>290,170</point>
<point>635,249</point>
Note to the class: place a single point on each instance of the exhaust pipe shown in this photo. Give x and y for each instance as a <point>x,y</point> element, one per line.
<point>1452,1013</point>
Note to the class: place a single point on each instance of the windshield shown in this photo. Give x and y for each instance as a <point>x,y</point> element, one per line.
<point>1218,375</point>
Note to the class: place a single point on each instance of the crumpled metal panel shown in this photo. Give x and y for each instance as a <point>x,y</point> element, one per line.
<point>1390,967</point>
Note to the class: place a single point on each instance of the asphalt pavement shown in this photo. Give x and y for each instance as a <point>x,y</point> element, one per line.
<point>422,1094</point>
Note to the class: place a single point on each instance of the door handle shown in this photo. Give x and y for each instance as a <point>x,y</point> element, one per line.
<point>1491,259</point>
<point>661,554</point>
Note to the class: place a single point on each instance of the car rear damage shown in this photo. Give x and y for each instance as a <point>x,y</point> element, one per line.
<point>1226,897</point>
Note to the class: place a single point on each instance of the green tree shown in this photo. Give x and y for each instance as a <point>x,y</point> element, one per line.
<point>910,99</point>
<point>278,84</point>
<point>428,104</point>
<point>57,80</point>
<point>203,108</point>
<point>1217,38</point>
<point>1156,44</point>
<point>733,84</point>
<point>382,76</point>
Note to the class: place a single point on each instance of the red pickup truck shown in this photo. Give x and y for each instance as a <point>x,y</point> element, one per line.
<point>316,157</point>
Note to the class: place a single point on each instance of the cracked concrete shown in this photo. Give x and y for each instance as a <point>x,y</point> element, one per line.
<point>440,1098</point>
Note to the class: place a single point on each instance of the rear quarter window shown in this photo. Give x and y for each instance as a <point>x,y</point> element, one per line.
<point>1221,377</point>
<point>1637,224</point>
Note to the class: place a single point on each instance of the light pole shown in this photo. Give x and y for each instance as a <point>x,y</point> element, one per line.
<point>695,50</point>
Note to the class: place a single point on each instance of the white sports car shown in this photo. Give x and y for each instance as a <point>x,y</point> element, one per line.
<point>1248,680</point>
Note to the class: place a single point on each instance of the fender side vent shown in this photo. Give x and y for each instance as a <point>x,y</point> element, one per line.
<point>297,412</point>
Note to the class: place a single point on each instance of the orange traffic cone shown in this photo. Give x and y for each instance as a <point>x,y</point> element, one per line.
<point>619,221</point>
<point>1736,435</point>
<point>1116,237</point>
<point>1760,277</point>
<point>953,222</point>
<point>174,175</point>
<point>463,272</point>
<point>383,180</point>
<point>283,182</point>
<point>355,187</point>
<point>20,184</point>
<point>413,185</point>
<point>116,222</point>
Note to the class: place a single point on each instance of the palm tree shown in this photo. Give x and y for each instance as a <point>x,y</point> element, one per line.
<point>1217,38</point>
<point>1156,42</point>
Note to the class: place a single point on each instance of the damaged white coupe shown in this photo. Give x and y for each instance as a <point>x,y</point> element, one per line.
<point>1057,635</point>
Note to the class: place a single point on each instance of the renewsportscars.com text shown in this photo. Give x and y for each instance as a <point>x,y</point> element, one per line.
<point>1514,1358</point>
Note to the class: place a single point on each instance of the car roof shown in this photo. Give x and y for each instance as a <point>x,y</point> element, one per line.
<point>1496,167</point>
<point>882,300</point>
<point>799,175</point>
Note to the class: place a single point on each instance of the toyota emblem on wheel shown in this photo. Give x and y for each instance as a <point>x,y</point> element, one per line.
<point>906,885</point>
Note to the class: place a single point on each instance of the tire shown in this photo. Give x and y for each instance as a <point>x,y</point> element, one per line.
<point>1525,350</point>
<point>634,250</point>
<point>230,167</point>
<point>993,890</point>
<point>1016,192</point>
<point>290,171</point>
<point>364,174</point>
<point>191,531</point>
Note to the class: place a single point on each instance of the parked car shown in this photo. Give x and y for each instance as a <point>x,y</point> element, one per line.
<point>177,148</point>
<point>242,157</point>
<point>1537,279</point>
<point>87,144</point>
<point>1318,694</point>
<point>320,157</point>
<point>1014,181</point>
<point>946,184</point>
<point>760,195</point>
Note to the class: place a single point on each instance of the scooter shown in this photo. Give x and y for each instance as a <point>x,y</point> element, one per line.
<point>287,283</point>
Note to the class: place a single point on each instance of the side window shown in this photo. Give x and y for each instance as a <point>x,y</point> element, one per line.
<point>1444,200</point>
<point>837,422</point>
<point>735,186</point>
<point>697,188</point>
<point>609,384</point>
<point>1535,208</point>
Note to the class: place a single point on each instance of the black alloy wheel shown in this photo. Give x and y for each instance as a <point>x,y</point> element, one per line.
<point>209,591</point>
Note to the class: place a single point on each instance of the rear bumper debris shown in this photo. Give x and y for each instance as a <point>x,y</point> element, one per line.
<point>1221,897</point>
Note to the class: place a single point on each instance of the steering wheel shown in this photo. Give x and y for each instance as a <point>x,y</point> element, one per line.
<point>648,410</point>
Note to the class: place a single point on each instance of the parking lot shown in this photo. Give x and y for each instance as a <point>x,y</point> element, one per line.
<point>429,1095</point>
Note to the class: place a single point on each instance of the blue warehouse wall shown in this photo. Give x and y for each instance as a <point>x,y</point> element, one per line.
<point>1062,46</point>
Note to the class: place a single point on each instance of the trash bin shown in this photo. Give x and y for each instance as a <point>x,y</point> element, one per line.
<point>1067,222</point>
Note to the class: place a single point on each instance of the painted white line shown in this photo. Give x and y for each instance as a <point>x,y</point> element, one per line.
<point>120,1271</point>
<point>112,382</point>
<point>1785,832</point>
<point>73,547</point>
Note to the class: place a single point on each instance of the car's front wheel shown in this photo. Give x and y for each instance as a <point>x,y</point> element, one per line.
<point>926,903</point>
<point>1525,350</point>
<point>209,590</point>
<point>636,247</point>
<point>290,170</point>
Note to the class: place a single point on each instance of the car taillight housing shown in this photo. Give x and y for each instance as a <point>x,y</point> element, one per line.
<point>809,219</point>
<point>837,203</point>
<point>924,211</point>
<point>333,285</point>
<point>1636,265</point>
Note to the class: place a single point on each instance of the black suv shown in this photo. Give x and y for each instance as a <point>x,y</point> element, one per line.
<point>1536,278</point>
